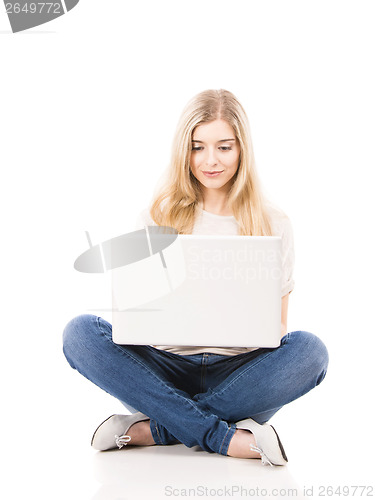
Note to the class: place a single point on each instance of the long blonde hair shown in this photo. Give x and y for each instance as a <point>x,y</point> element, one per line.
<point>176,201</point>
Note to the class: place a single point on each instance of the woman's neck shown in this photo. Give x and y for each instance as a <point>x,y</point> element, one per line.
<point>216,205</point>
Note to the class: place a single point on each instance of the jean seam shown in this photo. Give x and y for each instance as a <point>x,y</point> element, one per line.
<point>222,443</point>
<point>214,394</point>
<point>100,328</point>
<point>203,372</point>
<point>158,433</point>
<point>226,441</point>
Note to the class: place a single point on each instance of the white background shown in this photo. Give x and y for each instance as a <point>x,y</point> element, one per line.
<point>89,104</point>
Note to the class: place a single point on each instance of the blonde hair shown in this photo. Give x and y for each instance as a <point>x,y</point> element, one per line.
<point>176,201</point>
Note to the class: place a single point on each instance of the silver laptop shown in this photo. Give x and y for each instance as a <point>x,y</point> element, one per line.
<point>201,291</point>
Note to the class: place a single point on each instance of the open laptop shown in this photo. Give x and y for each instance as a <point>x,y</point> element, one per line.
<point>201,290</point>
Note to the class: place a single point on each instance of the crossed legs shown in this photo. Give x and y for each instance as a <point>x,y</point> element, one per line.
<point>163,386</point>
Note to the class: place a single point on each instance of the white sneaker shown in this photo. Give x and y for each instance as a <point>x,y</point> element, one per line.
<point>112,432</point>
<point>268,442</point>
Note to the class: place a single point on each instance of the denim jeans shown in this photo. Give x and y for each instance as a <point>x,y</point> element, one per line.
<point>195,399</point>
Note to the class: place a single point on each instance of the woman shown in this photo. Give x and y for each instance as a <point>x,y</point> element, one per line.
<point>218,398</point>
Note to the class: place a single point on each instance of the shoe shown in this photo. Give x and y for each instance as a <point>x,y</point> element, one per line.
<point>112,432</point>
<point>268,442</point>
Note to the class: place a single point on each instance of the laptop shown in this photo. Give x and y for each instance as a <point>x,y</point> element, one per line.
<point>201,291</point>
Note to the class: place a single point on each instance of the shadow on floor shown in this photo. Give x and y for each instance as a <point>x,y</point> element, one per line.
<point>177,471</point>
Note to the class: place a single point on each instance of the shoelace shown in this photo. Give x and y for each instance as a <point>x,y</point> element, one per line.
<point>265,459</point>
<point>122,440</point>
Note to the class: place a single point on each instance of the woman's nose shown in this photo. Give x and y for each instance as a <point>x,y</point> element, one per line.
<point>211,158</point>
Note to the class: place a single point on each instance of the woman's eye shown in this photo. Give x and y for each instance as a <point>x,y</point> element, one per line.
<point>222,148</point>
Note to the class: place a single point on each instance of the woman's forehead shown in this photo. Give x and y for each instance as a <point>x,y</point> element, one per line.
<point>217,129</point>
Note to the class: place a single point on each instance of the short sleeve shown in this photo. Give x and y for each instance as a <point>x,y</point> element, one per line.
<point>287,256</point>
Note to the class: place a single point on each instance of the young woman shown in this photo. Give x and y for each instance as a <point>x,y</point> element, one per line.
<point>219,398</point>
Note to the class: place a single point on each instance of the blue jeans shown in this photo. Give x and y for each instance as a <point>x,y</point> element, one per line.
<point>195,399</point>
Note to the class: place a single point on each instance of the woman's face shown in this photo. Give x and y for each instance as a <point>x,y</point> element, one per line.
<point>215,154</point>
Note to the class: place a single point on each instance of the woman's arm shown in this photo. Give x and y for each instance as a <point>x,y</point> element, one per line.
<point>284,314</point>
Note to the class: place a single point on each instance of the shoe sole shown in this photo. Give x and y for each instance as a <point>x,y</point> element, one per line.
<point>280,444</point>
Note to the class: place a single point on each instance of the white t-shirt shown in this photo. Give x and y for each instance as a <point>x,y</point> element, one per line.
<point>211,224</point>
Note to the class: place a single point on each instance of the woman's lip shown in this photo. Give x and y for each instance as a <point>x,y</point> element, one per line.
<point>213,174</point>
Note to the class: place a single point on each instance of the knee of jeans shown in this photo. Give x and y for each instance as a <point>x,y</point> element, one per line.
<point>315,353</point>
<point>74,335</point>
